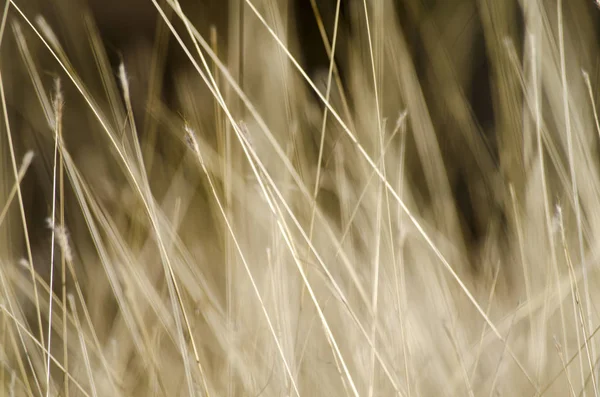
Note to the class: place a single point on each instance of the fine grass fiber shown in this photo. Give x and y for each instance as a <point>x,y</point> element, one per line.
<point>299,198</point>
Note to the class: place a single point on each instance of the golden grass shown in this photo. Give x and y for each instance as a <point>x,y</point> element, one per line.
<point>234,224</point>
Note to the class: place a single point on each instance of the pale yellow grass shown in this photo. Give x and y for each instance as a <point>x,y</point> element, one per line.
<point>269,232</point>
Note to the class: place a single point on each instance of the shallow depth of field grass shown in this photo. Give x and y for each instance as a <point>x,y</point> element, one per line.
<point>207,212</point>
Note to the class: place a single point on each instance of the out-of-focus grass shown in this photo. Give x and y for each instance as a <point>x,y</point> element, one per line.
<point>393,198</point>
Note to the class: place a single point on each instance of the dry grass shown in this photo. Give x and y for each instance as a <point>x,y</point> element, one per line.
<point>251,227</point>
